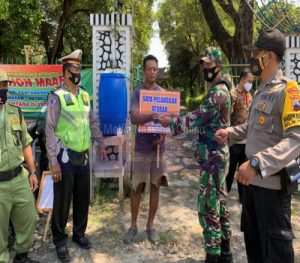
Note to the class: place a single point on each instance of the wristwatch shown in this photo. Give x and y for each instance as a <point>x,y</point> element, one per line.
<point>254,163</point>
<point>32,172</point>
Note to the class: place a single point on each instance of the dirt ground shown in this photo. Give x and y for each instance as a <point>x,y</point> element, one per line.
<point>180,236</point>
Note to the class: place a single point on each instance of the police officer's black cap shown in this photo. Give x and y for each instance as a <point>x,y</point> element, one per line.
<point>271,40</point>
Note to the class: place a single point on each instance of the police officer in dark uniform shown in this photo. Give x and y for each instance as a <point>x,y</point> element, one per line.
<point>70,128</point>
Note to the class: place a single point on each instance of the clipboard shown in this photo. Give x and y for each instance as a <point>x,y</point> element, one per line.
<point>44,201</point>
<point>45,197</point>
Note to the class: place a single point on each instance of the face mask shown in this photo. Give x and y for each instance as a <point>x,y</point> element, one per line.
<point>257,65</point>
<point>3,96</point>
<point>75,77</point>
<point>248,86</point>
<point>210,74</point>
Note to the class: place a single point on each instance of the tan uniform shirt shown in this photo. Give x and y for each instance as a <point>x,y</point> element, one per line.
<point>53,115</point>
<point>13,138</point>
<point>266,139</point>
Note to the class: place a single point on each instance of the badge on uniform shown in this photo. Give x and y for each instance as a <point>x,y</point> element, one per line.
<point>261,106</point>
<point>68,99</point>
<point>15,121</point>
<point>52,102</point>
<point>85,100</point>
<point>261,120</point>
<point>291,107</point>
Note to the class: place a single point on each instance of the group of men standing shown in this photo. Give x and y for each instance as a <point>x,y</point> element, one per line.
<point>262,146</point>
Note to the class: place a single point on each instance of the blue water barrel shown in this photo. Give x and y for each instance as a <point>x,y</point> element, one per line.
<point>112,103</point>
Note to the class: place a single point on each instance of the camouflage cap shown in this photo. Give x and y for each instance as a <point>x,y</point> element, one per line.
<point>212,54</point>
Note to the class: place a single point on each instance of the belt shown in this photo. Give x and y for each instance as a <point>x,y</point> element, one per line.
<point>9,175</point>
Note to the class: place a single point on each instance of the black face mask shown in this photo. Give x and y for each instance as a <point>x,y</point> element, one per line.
<point>75,77</point>
<point>3,96</point>
<point>257,65</point>
<point>210,74</point>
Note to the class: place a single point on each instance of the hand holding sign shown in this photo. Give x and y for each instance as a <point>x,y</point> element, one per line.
<point>163,105</point>
<point>164,120</point>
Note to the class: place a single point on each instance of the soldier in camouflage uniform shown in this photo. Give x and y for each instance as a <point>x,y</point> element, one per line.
<point>214,112</point>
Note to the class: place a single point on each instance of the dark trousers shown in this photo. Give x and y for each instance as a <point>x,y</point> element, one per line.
<point>266,222</point>
<point>75,183</point>
<point>237,157</point>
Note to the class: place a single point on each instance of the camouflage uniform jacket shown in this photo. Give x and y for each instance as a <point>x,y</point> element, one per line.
<point>212,114</point>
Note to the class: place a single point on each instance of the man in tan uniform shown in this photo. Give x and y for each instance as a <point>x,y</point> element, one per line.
<point>16,183</point>
<point>70,129</point>
<point>273,135</point>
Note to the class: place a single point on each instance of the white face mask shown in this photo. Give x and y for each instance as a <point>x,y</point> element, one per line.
<point>248,86</point>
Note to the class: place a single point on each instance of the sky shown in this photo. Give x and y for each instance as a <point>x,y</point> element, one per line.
<point>156,48</point>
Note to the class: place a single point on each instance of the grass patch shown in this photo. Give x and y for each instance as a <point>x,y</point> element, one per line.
<point>104,194</point>
<point>295,212</point>
<point>170,236</point>
<point>104,203</point>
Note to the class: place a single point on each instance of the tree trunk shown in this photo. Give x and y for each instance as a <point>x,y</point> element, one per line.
<point>232,46</point>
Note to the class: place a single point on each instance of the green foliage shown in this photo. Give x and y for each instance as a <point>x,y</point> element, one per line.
<point>184,32</point>
<point>193,103</point>
<point>143,19</point>
<point>281,14</point>
<point>56,27</point>
<point>3,9</point>
<point>71,19</point>
<point>19,25</point>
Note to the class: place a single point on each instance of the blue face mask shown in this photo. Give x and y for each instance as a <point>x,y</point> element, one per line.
<point>3,96</point>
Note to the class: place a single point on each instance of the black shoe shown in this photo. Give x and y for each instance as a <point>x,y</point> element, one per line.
<point>211,258</point>
<point>226,255</point>
<point>22,258</point>
<point>63,254</point>
<point>83,242</point>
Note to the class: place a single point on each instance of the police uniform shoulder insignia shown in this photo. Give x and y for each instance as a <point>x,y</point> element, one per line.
<point>291,107</point>
<point>52,102</point>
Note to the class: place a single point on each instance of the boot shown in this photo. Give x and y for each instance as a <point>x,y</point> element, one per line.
<point>22,258</point>
<point>211,258</point>
<point>226,255</point>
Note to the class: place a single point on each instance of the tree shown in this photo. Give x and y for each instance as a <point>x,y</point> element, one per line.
<point>231,25</point>
<point>184,32</point>
<point>19,25</point>
<point>66,25</point>
<point>143,19</point>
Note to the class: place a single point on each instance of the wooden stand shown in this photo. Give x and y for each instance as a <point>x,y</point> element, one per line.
<point>107,168</point>
<point>47,225</point>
